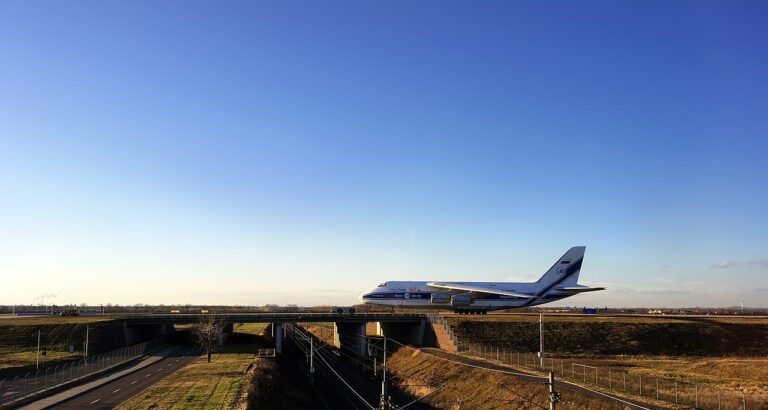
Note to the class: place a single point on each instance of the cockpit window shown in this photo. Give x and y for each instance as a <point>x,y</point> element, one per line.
<point>383,285</point>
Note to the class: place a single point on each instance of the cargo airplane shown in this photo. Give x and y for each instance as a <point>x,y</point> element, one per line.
<point>559,282</point>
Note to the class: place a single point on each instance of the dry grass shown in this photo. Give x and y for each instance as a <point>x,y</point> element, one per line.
<point>322,330</point>
<point>276,385</point>
<point>733,376</point>
<point>474,388</point>
<point>49,320</point>
<point>250,328</point>
<point>629,319</point>
<point>588,336</point>
<point>10,358</point>
<point>18,339</point>
<point>200,385</point>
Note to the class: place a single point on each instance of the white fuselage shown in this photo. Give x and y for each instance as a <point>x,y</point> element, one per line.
<point>418,294</point>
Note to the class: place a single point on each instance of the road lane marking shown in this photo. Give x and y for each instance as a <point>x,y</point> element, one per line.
<point>115,391</point>
<point>95,401</point>
<point>134,381</point>
<point>148,375</point>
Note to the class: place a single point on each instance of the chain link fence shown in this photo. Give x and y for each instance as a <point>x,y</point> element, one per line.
<point>672,390</point>
<point>50,377</point>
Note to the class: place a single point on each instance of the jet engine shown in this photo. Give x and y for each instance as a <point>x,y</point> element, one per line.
<point>462,299</point>
<point>441,298</point>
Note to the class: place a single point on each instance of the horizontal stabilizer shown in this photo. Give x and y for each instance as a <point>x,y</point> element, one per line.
<point>483,289</point>
<point>578,289</point>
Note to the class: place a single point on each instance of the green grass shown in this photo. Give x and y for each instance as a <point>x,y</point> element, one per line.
<point>249,328</point>
<point>200,385</point>
<point>220,384</point>
<point>10,358</point>
<point>18,339</point>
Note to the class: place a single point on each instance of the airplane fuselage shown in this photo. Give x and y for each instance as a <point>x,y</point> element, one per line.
<point>558,282</point>
<point>418,294</point>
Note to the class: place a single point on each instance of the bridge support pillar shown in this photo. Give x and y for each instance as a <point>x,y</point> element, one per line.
<point>350,336</point>
<point>277,333</point>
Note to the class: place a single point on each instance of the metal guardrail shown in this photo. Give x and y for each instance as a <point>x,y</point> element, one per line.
<point>269,317</point>
<point>51,377</point>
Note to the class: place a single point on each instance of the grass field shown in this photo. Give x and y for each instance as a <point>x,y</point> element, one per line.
<point>200,385</point>
<point>729,353</point>
<point>10,358</point>
<point>221,384</point>
<point>250,328</point>
<point>322,330</point>
<point>472,388</point>
<point>18,339</point>
<point>9,320</point>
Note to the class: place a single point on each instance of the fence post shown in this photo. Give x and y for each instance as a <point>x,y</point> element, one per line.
<point>625,380</point>
<point>657,388</point>
<point>610,383</point>
<point>743,401</point>
<point>696,388</point>
<point>14,386</point>
<point>718,398</point>
<point>675,391</point>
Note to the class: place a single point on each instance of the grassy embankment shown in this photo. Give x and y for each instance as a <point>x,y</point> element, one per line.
<point>730,352</point>
<point>235,379</point>
<point>203,385</point>
<point>18,339</point>
<point>466,387</point>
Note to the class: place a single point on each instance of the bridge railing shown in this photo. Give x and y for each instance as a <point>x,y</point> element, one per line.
<point>234,317</point>
<point>48,378</point>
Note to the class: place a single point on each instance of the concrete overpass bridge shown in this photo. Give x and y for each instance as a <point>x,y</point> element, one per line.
<point>349,329</point>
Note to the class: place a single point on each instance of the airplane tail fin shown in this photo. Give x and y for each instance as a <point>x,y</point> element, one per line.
<point>566,270</point>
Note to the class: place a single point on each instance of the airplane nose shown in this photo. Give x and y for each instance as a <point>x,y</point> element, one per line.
<point>362,296</point>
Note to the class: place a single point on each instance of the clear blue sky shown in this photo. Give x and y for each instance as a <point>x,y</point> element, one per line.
<point>301,152</point>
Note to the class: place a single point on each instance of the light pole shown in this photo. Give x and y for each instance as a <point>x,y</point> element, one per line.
<point>85,351</point>
<point>554,396</point>
<point>384,400</point>
<point>541,339</point>
<point>311,360</point>
<point>37,359</point>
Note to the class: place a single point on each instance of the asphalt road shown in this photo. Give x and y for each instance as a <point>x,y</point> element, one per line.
<point>120,390</point>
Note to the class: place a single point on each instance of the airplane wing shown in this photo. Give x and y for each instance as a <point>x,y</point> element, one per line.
<point>578,289</point>
<point>483,289</point>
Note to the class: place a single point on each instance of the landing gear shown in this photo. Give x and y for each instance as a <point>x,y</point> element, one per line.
<point>472,311</point>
